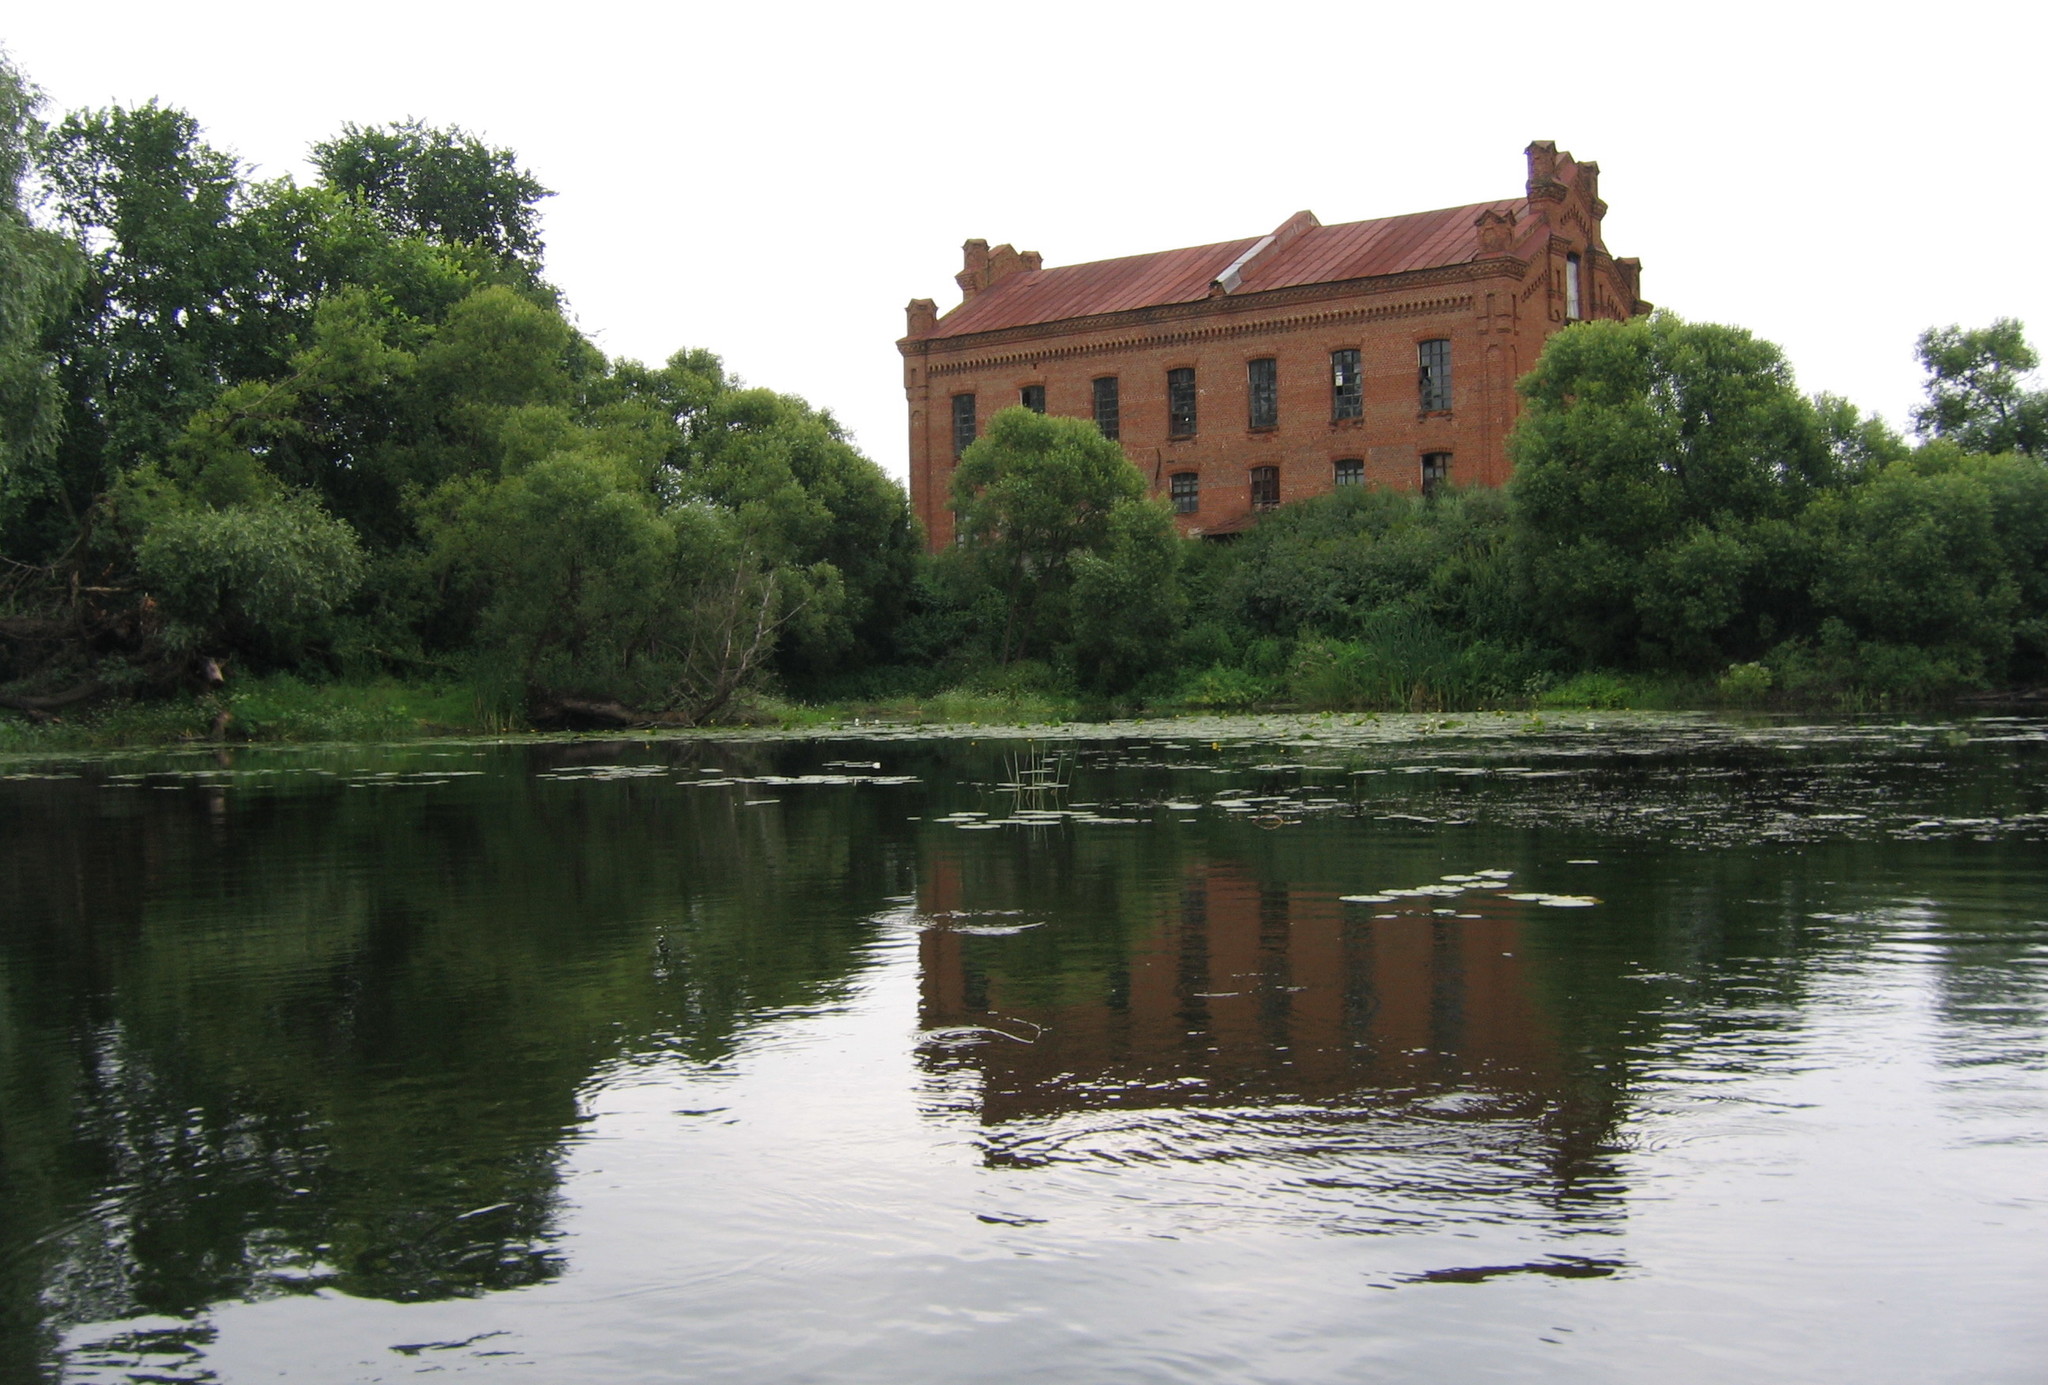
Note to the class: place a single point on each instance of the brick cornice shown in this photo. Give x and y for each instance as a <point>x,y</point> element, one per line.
<point>1165,318</point>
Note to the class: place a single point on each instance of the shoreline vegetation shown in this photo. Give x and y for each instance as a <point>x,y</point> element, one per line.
<point>332,461</point>
<point>282,710</point>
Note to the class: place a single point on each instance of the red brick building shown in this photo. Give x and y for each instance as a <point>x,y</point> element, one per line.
<point>1243,375</point>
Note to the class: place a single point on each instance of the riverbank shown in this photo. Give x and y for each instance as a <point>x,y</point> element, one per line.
<point>283,709</point>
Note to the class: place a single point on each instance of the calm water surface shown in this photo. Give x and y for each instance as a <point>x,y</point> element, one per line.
<point>1393,1049</point>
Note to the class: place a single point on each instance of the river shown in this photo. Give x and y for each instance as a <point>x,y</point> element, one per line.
<point>1602,1048</point>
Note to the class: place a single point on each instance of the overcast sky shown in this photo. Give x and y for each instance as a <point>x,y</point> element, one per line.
<point>774,182</point>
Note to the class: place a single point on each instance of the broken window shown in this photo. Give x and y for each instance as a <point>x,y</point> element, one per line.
<point>1106,419</point>
<point>1032,397</point>
<point>1264,390</point>
<point>1265,487</point>
<point>963,422</point>
<point>1434,376</point>
<point>1347,389</point>
<point>1350,472</point>
<point>1436,471</point>
<point>1187,492</point>
<point>1180,403</point>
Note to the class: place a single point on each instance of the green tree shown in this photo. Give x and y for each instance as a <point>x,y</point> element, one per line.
<point>835,525</point>
<point>171,305</point>
<point>571,569</point>
<point>239,413</point>
<point>1651,456</point>
<point>1976,389</point>
<point>255,577</point>
<point>1030,496</point>
<point>38,271</point>
<point>2018,487</point>
<point>443,184</point>
<point>584,588</point>
<point>1860,443</point>
<point>1333,563</point>
<point>1128,606</point>
<point>1914,592</point>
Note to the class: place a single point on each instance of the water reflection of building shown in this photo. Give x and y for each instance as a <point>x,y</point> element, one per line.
<point>1257,991</point>
<point>1239,992</point>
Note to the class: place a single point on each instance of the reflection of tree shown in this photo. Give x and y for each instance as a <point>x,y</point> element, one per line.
<point>263,1039</point>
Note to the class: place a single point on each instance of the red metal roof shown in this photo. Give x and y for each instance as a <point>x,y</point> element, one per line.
<point>1320,255</point>
<point>1085,290</point>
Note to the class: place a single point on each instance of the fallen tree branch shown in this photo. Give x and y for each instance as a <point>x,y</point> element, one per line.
<point>22,703</point>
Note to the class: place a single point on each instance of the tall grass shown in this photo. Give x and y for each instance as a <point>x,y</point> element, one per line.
<point>1401,660</point>
<point>274,708</point>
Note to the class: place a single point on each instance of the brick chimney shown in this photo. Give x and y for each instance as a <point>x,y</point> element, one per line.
<point>923,315</point>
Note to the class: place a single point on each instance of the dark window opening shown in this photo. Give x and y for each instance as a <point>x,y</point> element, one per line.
<point>1350,472</point>
<point>1180,403</point>
<point>1434,376</point>
<point>1347,388</point>
<point>1032,397</point>
<point>1436,472</point>
<point>1187,492</point>
<point>1106,419</point>
<point>1264,383</point>
<point>1265,487</point>
<point>963,423</point>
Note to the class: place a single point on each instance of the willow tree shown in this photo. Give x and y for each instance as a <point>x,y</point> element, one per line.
<point>39,269</point>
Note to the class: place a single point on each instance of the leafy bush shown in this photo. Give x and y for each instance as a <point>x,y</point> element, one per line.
<point>1850,672</point>
<point>249,577</point>
<point>1226,688</point>
<point>1744,685</point>
<point>1588,692</point>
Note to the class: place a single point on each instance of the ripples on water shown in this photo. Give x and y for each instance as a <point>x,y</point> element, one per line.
<point>1290,1049</point>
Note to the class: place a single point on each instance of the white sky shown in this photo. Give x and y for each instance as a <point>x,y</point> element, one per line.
<point>775,182</point>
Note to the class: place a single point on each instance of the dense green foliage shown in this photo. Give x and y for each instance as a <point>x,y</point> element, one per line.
<point>346,429</point>
<point>1678,506</point>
